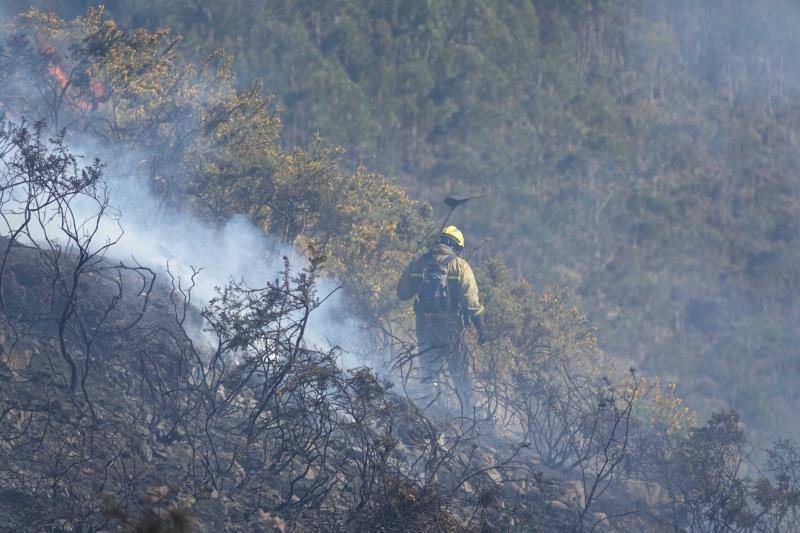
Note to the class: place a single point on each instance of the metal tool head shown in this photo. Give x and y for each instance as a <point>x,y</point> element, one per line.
<point>454,201</point>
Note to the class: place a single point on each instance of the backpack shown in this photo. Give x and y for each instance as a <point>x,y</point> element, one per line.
<point>433,292</point>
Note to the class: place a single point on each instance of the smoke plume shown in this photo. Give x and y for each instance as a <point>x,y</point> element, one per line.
<point>237,251</point>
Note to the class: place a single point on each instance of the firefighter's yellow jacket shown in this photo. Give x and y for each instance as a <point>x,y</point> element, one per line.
<point>458,272</point>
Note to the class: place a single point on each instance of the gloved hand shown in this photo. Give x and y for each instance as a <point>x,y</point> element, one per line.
<point>479,327</point>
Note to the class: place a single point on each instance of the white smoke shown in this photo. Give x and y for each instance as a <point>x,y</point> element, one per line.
<point>238,250</point>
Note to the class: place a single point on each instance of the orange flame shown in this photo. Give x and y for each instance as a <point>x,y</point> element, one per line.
<point>55,70</point>
<point>58,73</point>
<point>63,80</point>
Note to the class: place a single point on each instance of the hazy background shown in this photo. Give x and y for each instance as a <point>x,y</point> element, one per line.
<point>643,153</point>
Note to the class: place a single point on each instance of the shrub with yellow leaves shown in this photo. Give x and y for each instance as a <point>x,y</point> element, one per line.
<point>220,147</point>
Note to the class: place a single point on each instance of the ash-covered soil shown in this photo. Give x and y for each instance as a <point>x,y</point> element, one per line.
<point>116,413</point>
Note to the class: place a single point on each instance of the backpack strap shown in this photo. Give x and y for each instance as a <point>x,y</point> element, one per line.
<point>452,281</point>
<point>424,260</point>
<point>450,258</point>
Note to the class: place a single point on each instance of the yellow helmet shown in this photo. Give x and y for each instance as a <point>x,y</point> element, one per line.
<point>454,234</point>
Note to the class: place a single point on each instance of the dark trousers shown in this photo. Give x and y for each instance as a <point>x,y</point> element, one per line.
<point>443,348</point>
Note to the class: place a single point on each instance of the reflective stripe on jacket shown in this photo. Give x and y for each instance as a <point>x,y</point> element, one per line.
<point>458,272</point>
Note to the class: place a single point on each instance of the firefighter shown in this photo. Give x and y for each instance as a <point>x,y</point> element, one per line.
<point>446,300</point>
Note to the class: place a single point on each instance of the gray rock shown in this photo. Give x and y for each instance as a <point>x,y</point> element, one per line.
<point>558,505</point>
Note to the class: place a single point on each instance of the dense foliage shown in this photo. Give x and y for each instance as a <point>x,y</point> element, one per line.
<point>640,152</point>
<point>657,187</point>
<point>115,413</point>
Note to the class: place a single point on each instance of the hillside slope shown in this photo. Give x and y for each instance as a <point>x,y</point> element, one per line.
<point>259,415</point>
<point>641,153</point>
<point>157,433</point>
